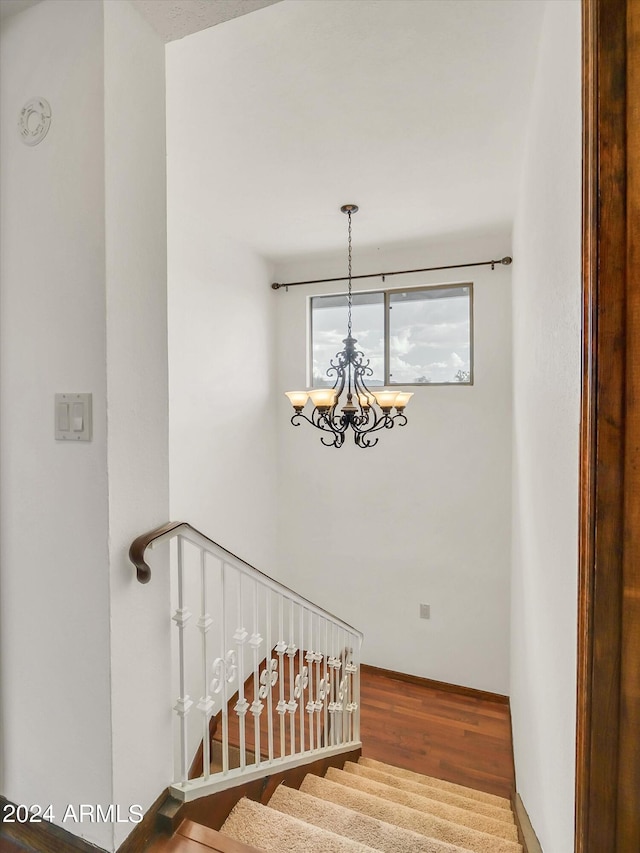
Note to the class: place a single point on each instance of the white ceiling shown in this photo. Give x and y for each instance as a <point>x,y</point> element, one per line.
<point>174,19</point>
<point>413,109</point>
<point>12,7</point>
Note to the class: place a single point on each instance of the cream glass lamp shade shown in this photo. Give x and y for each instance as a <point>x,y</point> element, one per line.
<point>366,400</point>
<point>297,398</point>
<point>323,398</point>
<point>385,398</point>
<point>402,398</point>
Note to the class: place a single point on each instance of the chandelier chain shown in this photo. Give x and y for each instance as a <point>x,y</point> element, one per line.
<point>349,296</point>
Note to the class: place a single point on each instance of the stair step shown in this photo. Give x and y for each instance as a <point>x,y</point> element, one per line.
<point>439,794</point>
<point>462,790</point>
<point>355,825</point>
<point>206,838</point>
<point>270,830</point>
<point>350,776</point>
<point>407,818</point>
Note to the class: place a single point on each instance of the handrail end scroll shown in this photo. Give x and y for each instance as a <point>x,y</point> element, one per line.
<point>136,555</point>
<point>140,545</point>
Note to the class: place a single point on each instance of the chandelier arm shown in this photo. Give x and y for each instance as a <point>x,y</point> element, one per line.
<point>363,440</point>
<point>300,416</point>
<point>320,420</point>
<point>336,441</point>
<point>381,422</point>
<point>324,421</point>
<point>339,423</point>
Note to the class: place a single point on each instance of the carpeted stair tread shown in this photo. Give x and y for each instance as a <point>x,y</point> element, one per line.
<point>421,802</point>
<point>355,825</point>
<point>271,830</point>
<point>407,818</point>
<point>439,794</point>
<point>462,790</point>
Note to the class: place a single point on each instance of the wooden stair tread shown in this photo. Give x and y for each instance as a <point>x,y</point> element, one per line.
<point>210,839</point>
<point>179,844</point>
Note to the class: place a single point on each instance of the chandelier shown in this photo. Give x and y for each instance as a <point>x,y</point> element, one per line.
<point>365,412</point>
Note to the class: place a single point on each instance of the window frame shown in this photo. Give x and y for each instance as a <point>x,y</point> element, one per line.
<point>386,324</point>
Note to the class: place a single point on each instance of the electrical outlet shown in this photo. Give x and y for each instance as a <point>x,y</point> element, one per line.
<point>425,611</point>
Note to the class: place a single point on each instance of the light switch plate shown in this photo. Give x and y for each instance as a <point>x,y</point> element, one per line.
<point>72,417</point>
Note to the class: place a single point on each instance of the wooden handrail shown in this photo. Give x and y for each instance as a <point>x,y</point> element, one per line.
<point>140,545</point>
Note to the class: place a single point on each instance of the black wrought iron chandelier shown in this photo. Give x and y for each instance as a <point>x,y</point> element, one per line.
<point>365,412</point>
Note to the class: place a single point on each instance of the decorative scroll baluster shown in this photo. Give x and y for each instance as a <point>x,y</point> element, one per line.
<point>356,697</point>
<point>352,705</point>
<point>344,686</point>
<point>321,699</point>
<point>255,642</point>
<point>302,682</point>
<point>319,702</point>
<point>311,705</point>
<point>292,704</point>
<point>302,676</point>
<point>269,680</point>
<point>281,707</point>
<point>242,706</point>
<point>334,675</point>
<point>335,665</point>
<point>225,698</point>
<point>327,684</point>
<point>184,703</point>
<point>205,705</point>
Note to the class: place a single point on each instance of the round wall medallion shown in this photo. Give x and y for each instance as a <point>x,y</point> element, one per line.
<point>34,121</point>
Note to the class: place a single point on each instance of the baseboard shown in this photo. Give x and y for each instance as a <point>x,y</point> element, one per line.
<point>526,832</point>
<point>47,837</point>
<point>140,837</point>
<point>436,685</point>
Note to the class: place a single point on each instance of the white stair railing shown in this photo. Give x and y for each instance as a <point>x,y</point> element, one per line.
<point>273,677</point>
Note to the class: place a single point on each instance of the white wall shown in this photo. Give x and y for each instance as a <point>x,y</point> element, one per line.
<point>546,332</point>
<point>425,515</point>
<point>222,433</point>
<point>137,402</point>
<point>221,362</point>
<point>85,687</point>
<point>56,703</point>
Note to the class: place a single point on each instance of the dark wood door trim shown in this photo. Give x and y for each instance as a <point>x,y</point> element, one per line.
<point>608,697</point>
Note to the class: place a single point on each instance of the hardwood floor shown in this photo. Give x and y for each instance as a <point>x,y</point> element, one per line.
<point>461,738</point>
<point>464,737</point>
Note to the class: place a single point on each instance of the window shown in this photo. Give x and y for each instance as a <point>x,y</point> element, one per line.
<point>418,336</point>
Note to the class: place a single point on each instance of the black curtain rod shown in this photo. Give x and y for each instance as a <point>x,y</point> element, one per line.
<point>505,261</point>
